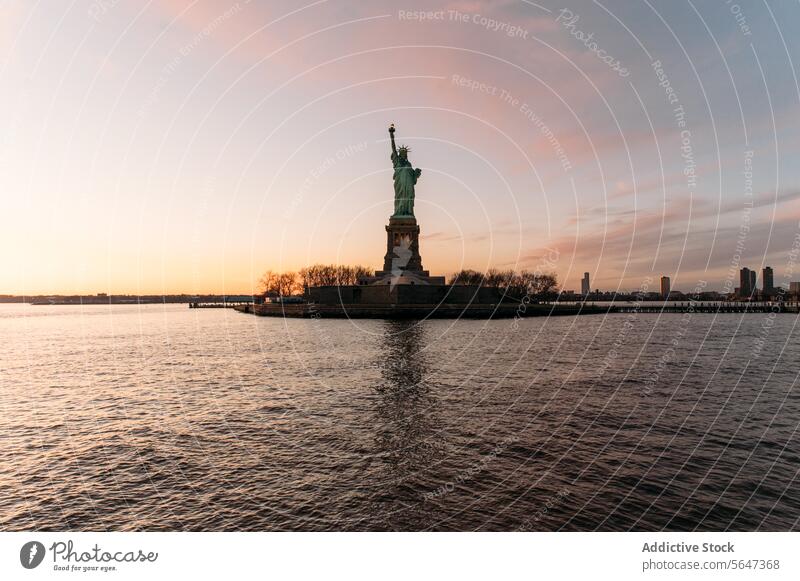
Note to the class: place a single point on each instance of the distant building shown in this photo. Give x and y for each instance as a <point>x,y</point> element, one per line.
<point>768,280</point>
<point>744,283</point>
<point>665,287</point>
<point>794,288</point>
<point>753,286</point>
<point>585,288</point>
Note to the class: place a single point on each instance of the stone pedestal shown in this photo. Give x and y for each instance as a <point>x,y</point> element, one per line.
<point>402,246</point>
<point>402,263</point>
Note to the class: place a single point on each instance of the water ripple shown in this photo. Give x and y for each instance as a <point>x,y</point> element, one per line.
<point>164,418</point>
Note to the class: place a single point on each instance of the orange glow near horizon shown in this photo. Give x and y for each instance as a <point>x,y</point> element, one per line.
<point>187,147</point>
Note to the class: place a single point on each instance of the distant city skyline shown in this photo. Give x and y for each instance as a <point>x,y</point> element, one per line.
<point>188,147</point>
<point>747,287</point>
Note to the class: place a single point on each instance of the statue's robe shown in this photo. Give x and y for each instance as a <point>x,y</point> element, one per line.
<point>405,178</point>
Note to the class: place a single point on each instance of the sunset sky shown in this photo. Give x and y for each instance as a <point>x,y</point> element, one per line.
<point>177,146</point>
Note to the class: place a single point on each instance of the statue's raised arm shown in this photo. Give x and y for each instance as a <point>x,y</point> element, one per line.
<point>391,136</point>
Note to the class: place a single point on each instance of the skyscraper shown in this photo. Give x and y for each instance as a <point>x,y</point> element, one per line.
<point>768,280</point>
<point>744,282</point>
<point>753,288</point>
<point>585,288</point>
<point>665,287</point>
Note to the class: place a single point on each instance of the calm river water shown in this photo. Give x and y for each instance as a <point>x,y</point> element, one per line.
<point>166,418</point>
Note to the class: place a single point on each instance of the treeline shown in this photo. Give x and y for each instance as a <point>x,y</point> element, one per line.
<point>293,283</point>
<point>513,283</point>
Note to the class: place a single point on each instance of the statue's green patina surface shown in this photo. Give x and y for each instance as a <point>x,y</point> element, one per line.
<point>405,178</point>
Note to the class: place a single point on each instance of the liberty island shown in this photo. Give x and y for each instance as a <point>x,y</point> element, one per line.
<point>403,288</point>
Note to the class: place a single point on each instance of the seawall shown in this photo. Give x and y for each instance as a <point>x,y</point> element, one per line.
<point>442,311</point>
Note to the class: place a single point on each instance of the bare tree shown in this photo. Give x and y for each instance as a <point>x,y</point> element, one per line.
<point>333,274</point>
<point>283,284</point>
<point>268,283</point>
<point>362,271</point>
<point>539,285</point>
<point>288,284</point>
<point>467,277</point>
<point>344,275</point>
<point>511,283</point>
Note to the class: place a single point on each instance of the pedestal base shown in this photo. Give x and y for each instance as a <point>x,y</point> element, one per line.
<point>402,245</point>
<point>402,263</point>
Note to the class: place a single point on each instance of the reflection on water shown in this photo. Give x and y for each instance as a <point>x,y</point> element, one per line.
<point>406,408</point>
<point>406,420</point>
<point>164,418</point>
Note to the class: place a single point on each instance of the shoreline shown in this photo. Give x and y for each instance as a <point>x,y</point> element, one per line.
<point>441,311</point>
<point>496,311</point>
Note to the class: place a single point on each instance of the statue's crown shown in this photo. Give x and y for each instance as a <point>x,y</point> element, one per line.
<point>404,149</point>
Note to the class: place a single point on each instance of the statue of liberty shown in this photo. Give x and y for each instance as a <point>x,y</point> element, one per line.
<point>405,178</point>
